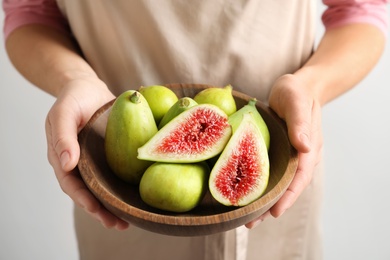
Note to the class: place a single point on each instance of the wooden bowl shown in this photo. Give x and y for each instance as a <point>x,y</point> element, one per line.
<point>209,217</point>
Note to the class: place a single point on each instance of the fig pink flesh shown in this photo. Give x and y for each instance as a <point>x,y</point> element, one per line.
<point>241,172</point>
<point>202,129</point>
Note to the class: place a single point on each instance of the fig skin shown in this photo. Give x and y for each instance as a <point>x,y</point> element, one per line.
<point>130,125</point>
<point>180,106</point>
<point>236,118</point>
<point>174,187</point>
<point>221,97</point>
<point>239,177</point>
<point>160,99</point>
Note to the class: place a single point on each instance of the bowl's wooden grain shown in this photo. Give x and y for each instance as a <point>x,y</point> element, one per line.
<point>209,217</point>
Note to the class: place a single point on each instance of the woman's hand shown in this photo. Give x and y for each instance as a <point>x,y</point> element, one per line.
<point>50,60</point>
<point>293,101</point>
<point>298,98</point>
<point>75,105</point>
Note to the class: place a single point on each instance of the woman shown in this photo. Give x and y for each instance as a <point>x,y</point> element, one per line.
<point>86,52</point>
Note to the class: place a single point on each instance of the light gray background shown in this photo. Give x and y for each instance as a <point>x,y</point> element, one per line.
<point>36,217</point>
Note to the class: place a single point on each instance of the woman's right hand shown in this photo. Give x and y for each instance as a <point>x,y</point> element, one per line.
<point>75,105</point>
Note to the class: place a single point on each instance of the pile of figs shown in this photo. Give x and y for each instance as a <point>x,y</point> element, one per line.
<point>176,149</point>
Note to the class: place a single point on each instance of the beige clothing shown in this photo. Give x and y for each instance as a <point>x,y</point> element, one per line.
<point>246,43</point>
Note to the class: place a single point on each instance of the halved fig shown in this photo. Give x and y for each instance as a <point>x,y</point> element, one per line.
<point>196,134</point>
<point>241,173</point>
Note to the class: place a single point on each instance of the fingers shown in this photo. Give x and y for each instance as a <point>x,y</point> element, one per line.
<point>63,154</point>
<point>68,115</point>
<point>294,104</point>
<point>61,132</point>
<point>301,180</point>
<point>299,121</point>
<point>74,187</point>
<point>306,164</point>
<point>293,101</point>
<point>258,220</point>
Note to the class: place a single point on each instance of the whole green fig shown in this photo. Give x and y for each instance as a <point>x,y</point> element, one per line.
<point>130,125</point>
<point>221,97</point>
<point>160,99</point>
<point>173,186</point>
<point>180,106</point>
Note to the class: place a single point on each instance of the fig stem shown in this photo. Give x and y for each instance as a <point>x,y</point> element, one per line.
<point>135,97</point>
<point>229,87</point>
<point>252,102</point>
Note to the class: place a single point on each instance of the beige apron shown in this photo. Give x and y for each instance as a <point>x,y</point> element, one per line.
<point>246,43</point>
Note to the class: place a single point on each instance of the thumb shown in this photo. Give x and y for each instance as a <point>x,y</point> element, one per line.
<point>61,132</point>
<point>299,120</point>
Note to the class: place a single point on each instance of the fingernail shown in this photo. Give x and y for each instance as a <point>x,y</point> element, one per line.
<point>99,219</point>
<point>305,140</point>
<point>103,223</point>
<point>64,159</point>
<point>82,203</point>
<point>256,223</point>
<point>281,213</point>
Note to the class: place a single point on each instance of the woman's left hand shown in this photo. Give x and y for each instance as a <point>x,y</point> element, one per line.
<point>294,102</point>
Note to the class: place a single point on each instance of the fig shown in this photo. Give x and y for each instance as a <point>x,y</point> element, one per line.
<point>160,99</point>
<point>130,125</point>
<point>173,186</point>
<point>235,119</point>
<point>197,134</point>
<point>181,105</point>
<point>221,97</point>
<point>241,173</point>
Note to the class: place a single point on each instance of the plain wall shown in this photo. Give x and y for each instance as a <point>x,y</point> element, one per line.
<point>36,216</point>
